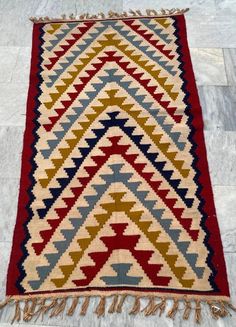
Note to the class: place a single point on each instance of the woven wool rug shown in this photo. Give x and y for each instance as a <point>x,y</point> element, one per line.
<point>115,195</point>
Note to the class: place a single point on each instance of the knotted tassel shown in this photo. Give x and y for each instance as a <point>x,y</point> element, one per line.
<point>218,310</point>
<point>17,315</point>
<point>120,304</point>
<point>172,312</point>
<point>136,306</point>
<point>29,309</point>
<point>198,315</point>
<point>73,306</point>
<point>113,305</point>
<point>85,306</point>
<point>214,310</point>
<point>100,309</point>
<point>151,306</point>
<point>187,309</point>
<point>224,312</point>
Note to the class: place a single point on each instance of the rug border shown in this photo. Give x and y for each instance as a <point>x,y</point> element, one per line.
<point>25,182</point>
<point>211,222</point>
<point>202,164</point>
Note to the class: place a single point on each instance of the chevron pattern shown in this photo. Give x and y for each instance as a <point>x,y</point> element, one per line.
<point>115,195</point>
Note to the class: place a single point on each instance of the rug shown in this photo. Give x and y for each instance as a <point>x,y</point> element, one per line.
<point>115,196</point>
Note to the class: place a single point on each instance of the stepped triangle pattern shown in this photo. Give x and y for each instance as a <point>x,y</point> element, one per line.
<point>115,191</point>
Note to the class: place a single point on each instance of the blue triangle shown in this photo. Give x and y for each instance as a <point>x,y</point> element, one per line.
<point>76,222</point>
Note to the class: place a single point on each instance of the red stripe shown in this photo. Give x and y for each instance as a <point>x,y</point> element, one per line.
<point>114,148</point>
<point>25,181</point>
<point>131,71</point>
<point>149,37</point>
<point>121,241</point>
<point>70,42</point>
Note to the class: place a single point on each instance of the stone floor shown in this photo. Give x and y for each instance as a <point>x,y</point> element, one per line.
<point>211,28</point>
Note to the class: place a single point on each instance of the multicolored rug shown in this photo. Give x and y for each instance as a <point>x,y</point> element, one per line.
<point>115,195</point>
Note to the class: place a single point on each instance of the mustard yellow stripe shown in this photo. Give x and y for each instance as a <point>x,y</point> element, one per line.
<point>150,69</point>
<point>79,133</point>
<point>135,216</point>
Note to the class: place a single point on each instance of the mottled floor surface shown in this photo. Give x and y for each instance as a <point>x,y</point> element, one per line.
<point>211,28</point>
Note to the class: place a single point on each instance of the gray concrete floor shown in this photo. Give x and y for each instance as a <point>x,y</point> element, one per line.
<point>211,26</point>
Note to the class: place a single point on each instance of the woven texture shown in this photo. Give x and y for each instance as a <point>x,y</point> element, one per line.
<point>115,192</point>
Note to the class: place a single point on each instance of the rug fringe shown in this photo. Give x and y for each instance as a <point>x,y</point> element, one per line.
<point>85,305</point>
<point>73,306</point>
<point>187,309</point>
<point>111,14</point>
<point>32,308</point>
<point>136,306</point>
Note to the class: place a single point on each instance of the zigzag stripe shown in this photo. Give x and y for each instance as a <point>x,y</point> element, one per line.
<point>156,29</point>
<point>54,28</point>
<point>70,42</point>
<point>150,69</point>
<point>195,161</point>
<point>152,157</point>
<point>130,38</point>
<point>92,200</point>
<point>108,151</point>
<point>149,38</point>
<point>61,246</point>
<point>74,55</point>
<point>142,122</point>
<point>59,37</point>
<point>140,99</point>
<point>38,78</point>
<point>152,90</point>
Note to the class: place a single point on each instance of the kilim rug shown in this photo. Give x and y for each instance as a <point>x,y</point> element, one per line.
<point>115,195</point>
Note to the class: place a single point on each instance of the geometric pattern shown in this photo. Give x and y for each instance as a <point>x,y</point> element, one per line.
<point>115,191</point>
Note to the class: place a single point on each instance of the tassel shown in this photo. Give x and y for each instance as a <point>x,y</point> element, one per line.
<point>218,310</point>
<point>26,308</point>
<point>120,304</point>
<point>172,312</point>
<point>149,309</point>
<point>160,306</point>
<point>100,310</point>
<point>230,305</point>
<point>40,309</point>
<point>17,315</point>
<point>214,310</point>
<point>136,306</point>
<point>29,310</point>
<point>44,308</point>
<point>60,307</point>
<point>85,306</point>
<point>47,308</point>
<point>113,305</point>
<point>73,306</point>
<point>5,302</point>
<point>198,315</point>
<point>224,311</point>
<point>187,309</point>
<point>111,14</point>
